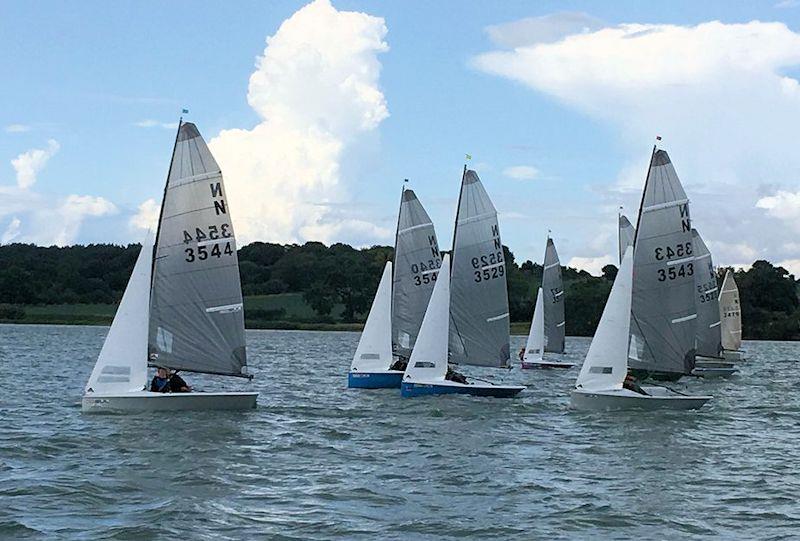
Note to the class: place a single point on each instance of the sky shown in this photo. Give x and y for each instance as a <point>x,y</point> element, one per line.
<point>316,112</point>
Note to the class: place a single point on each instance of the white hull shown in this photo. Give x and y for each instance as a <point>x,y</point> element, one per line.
<point>546,364</point>
<point>623,399</point>
<point>714,371</point>
<point>733,356</point>
<point>143,401</point>
<point>712,362</point>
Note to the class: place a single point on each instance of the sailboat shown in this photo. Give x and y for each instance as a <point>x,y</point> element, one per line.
<point>427,370</point>
<point>182,308</point>
<point>548,316</point>
<point>400,302</point>
<point>731,319</point>
<point>626,234</point>
<point>708,341</point>
<point>663,307</point>
<point>601,383</point>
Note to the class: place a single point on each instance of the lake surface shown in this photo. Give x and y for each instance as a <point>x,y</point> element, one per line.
<point>318,461</point>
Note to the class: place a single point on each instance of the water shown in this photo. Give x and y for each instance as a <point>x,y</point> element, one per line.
<point>316,461</point>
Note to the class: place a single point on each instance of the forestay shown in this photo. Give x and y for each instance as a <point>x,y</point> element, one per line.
<point>730,314</point>
<point>534,348</point>
<point>708,342</point>
<point>605,366</point>
<point>416,264</point>
<point>196,316</point>
<point>122,364</point>
<point>428,360</point>
<point>479,327</point>
<point>553,287</point>
<point>663,308</point>
<point>626,234</point>
<point>374,351</point>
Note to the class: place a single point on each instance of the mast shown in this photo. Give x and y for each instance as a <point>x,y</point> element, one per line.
<point>453,246</point>
<point>163,198</point>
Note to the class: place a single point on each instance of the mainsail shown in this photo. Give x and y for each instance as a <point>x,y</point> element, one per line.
<point>627,234</point>
<point>416,264</point>
<point>196,316</point>
<point>553,289</point>
<point>479,325</point>
<point>706,300</point>
<point>730,314</point>
<point>662,309</point>
<point>122,363</point>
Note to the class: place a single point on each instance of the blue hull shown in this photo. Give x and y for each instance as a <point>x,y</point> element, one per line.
<point>374,380</point>
<point>409,389</point>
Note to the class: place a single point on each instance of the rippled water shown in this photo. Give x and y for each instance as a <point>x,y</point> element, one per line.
<point>317,461</point>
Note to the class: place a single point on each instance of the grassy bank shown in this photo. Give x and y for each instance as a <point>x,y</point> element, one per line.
<point>282,311</point>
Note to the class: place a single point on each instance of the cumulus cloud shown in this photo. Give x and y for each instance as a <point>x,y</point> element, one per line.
<point>28,164</point>
<point>316,91</point>
<point>592,265</point>
<point>544,29</point>
<point>146,216</point>
<point>521,172</point>
<point>44,218</point>
<point>720,94</point>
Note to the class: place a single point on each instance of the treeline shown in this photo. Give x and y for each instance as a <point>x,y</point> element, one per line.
<point>338,283</point>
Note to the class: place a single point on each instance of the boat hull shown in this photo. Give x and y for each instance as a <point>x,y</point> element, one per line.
<point>712,362</point>
<point>529,365</point>
<point>411,389</point>
<point>390,379</point>
<point>622,399</point>
<point>714,371</point>
<point>733,356</point>
<point>144,401</point>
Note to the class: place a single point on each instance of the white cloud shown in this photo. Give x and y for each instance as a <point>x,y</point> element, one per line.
<point>792,265</point>
<point>785,4</point>
<point>783,205</point>
<point>28,164</point>
<point>316,90</point>
<point>11,232</point>
<point>592,265</point>
<point>702,87</point>
<point>521,172</point>
<point>544,29</point>
<point>17,128</point>
<point>146,216</point>
<point>72,211</point>
<point>150,123</point>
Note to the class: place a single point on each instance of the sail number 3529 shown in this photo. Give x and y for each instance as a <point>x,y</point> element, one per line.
<point>488,267</point>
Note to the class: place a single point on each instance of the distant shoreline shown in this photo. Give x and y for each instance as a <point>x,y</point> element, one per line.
<point>517,329</point>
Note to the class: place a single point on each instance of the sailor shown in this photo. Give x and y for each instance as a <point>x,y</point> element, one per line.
<point>631,384</point>
<point>400,364</point>
<point>521,354</point>
<point>178,385</point>
<point>452,375</point>
<point>160,382</point>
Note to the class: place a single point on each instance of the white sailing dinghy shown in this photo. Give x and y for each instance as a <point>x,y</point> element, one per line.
<point>182,308</point>
<point>371,364</point>
<point>626,234</point>
<point>731,319</point>
<point>600,384</point>
<point>708,342</point>
<point>533,356</point>
<point>407,292</point>
<point>663,307</point>
<point>426,373</point>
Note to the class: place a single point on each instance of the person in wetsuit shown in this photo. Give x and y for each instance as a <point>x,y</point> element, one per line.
<point>178,385</point>
<point>452,375</point>
<point>631,384</point>
<point>160,382</point>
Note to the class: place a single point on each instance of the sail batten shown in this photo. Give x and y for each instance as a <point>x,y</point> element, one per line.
<point>553,290</point>
<point>479,323</point>
<point>663,303</point>
<point>416,266</point>
<point>196,315</point>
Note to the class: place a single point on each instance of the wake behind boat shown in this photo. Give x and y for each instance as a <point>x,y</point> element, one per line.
<point>602,384</point>
<point>427,371</point>
<point>182,308</point>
